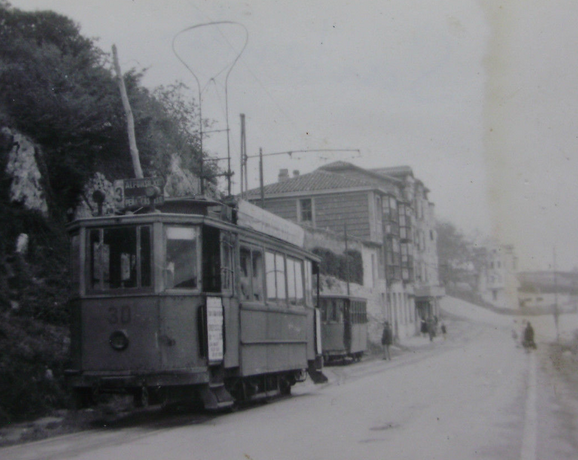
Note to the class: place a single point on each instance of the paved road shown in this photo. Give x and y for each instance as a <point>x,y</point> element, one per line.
<point>475,395</point>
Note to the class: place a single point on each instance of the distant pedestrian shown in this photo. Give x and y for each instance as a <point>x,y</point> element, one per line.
<point>431,329</point>
<point>444,330</point>
<point>386,340</point>
<point>423,327</point>
<point>529,336</point>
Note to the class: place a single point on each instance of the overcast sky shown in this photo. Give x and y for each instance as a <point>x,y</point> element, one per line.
<point>479,97</point>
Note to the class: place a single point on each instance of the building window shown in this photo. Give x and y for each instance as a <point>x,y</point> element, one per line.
<point>306,210</point>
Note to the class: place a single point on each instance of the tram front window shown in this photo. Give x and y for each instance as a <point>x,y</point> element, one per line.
<point>120,258</point>
<point>181,265</point>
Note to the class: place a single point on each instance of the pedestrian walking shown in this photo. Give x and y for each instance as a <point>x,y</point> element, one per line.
<point>386,340</point>
<point>431,329</point>
<point>529,337</point>
<point>444,330</point>
<point>423,327</point>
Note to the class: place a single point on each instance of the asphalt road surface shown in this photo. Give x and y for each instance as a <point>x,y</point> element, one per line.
<point>475,395</point>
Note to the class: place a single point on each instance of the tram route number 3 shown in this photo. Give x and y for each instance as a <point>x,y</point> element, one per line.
<point>119,315</point>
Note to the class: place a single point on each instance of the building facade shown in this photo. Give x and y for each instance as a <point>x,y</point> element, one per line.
<point>388,211</point>
<point>498,283</point>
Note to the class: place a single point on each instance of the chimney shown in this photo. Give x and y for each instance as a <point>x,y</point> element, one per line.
<point>283,175</point>
<point>295,173</point>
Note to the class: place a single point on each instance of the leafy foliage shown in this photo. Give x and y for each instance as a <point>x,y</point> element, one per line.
<point>31,367</point>
<point>460,259</point>
<point>346,267</point>
<point>59,89</point>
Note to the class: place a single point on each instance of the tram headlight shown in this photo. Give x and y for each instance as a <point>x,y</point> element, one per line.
<point>118,340</point>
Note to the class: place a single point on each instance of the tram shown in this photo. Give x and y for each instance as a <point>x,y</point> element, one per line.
<point>190,301</point>
<point>343,327</point>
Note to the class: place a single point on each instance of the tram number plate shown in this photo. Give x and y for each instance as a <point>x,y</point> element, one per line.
<point>119,315</point>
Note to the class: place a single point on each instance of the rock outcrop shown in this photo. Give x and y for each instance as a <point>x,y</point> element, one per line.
<point>22,166</point>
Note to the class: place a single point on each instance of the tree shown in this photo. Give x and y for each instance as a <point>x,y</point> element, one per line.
<point>455,252</point>
<point>57,91</point>
<point>58,88</point>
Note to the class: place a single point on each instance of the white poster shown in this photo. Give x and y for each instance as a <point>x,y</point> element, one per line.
<point>215,328</point>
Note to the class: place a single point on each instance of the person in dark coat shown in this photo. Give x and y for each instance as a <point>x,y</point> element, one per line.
<point>529,336</point>
<point>386,340</point>
<point>431,329</point>
<point>423,327</point>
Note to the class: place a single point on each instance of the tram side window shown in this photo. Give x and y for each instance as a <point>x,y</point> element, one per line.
<point>251,274</point>
<point>276,276</point>
<point>270,279</point>
<point>308,283</point>
<point>245,275</point>
<point>257,272</point>
<point>120,258</point>
<point>280,272</point>
<point>291,295</point>
<point>181,257</point>
<point>295,281</point>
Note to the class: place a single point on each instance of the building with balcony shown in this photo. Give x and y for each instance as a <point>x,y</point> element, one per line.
<point>387,210</point>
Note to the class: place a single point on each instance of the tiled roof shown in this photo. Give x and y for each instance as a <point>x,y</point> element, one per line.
<point>339,166</point>
<point>314,181</point>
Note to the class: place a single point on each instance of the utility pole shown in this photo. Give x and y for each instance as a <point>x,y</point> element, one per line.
<point>243,152</point>
<point>261,178</point>
<point>129,117</point>
<point>556,299</point>
<point>346,257</point>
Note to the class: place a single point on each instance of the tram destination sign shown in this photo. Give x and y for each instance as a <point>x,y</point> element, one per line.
<point>134,193</point>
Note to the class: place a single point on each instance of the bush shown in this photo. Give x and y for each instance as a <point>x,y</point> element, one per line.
<point>31,368</point>
<point>346,267</point>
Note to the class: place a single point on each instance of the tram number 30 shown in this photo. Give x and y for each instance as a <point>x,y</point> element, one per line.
<point>119,315</point>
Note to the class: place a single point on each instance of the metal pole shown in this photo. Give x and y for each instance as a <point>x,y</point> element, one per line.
<point>201,145</point>
<point>243,151</point>
<point>261,180</point>
<point>556,298</point>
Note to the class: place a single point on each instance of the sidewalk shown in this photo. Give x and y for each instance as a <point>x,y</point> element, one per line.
<point>415,342</point>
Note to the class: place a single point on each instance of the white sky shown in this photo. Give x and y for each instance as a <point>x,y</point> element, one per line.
<point>478,97</point>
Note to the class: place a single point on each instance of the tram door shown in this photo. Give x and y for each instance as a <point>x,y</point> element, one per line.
<point>345,305</point>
